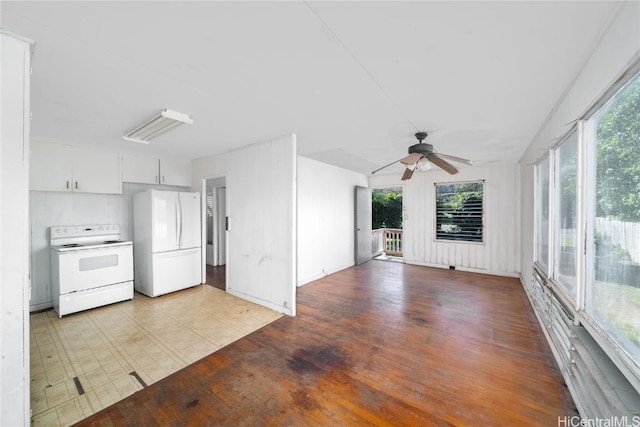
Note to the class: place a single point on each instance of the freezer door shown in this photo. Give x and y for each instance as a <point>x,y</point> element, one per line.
<point>165,213</point>
<point>173,271</point>
<point>190,235</point>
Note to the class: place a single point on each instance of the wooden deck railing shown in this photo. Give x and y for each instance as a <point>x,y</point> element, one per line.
<point>386,241</point>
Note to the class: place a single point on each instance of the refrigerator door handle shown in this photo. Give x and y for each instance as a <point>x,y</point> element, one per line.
<point>180,212</point>
<point>177,225</point>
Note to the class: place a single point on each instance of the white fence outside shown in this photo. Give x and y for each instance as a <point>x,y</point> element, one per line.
<point>626,234</point>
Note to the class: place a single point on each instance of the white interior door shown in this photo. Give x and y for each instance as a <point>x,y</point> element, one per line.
<point>164,207</point>
<point>261,190</point>
<point>190,235</point>
<point>362,221</point>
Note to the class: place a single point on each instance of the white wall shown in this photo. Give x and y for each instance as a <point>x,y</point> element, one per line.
<point>619,46</point>
<point>208,167</point>
<point>325,218</point>
<point>49,209</point>
<point>500,252</point>
<point>261,202</point>
<point>14,232</point>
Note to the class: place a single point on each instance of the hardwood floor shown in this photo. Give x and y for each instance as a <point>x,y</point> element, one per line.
<point>216,276</point>
<point>377,344</point>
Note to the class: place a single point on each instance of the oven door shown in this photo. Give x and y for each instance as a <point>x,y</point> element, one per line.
<point>91,268</point>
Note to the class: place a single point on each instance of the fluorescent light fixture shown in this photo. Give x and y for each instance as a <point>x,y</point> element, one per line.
<point>158,125</point>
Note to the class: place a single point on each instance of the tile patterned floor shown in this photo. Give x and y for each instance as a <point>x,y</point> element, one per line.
<point>154,337</point>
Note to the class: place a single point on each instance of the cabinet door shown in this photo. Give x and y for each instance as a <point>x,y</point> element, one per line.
<point>143,170</point>
<point>96,171</point>
<point>174,172</point>
<point>51,167</point>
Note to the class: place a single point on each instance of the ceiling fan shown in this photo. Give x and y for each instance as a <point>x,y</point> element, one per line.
<point>420,157</point>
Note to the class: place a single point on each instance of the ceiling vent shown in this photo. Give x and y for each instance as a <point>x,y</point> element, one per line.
<point>158,125</point>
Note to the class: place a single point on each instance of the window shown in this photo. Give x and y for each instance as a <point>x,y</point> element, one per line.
<point>613,259</point>
<point>587,222</point>
<point>459,211</point>
<point>542,213</point>
<point>565,227</point>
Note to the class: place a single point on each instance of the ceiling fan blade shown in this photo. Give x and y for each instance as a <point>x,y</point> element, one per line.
<point>408,173</point>
<point>456,159</point>
<point>411,159</point>
<point>443,164</point>
<point>386,166</point>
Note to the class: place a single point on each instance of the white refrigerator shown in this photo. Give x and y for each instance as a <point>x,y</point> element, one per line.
<point>167,241</point>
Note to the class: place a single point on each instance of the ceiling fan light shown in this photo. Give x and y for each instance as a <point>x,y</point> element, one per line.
<point>423,165</point>
<point>165,121</point>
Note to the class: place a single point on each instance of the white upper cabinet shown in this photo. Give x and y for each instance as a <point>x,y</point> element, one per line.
<point>51,167</point>
<point>151,170</point>
<point>96,171</point>
<point>58,167</point>
<point>174,172</point>
<point>143,170</point>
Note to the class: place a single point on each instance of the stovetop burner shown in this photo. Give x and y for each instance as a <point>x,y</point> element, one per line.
<point>89,237</point>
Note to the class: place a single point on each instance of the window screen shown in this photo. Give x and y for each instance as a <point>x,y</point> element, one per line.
<point>459,210</point>
<point>565,227</point>
<point>613,284</point>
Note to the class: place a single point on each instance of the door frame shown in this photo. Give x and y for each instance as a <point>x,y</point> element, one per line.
<point>203,220</point>
<point>402,187</point>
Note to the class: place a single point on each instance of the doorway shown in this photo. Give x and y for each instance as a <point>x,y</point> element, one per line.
<point>386,233</point>
<point>216,249</point>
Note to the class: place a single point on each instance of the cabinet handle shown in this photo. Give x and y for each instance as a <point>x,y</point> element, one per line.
<point>162,178</point>
<point>76,185</point>
<point>67,185</point>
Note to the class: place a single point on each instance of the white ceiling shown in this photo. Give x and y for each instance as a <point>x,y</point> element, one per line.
<point>353,80</point>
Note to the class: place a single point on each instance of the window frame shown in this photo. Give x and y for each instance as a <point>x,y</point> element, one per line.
<point>435,209</point>
<point>536,221</point>
<point>585,217</point>
<point>605,340</point>
<point>554,179</point>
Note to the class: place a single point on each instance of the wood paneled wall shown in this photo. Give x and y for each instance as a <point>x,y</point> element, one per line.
<point>500,251</point>
<point>262,241</point>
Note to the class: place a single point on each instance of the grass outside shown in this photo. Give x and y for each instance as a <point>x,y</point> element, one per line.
<point>619,306</point>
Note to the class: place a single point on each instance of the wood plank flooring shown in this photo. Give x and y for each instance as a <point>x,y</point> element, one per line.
<point>378,344</point>
<point>216,276</point>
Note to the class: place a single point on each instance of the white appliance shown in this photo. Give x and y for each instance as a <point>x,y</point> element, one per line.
<point>90,267</point>
<point>168,240</point>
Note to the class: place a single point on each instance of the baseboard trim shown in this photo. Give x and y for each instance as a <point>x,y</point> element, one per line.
<point>514,275</point>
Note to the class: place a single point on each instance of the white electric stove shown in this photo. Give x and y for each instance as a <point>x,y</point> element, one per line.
<point>90,267</point>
